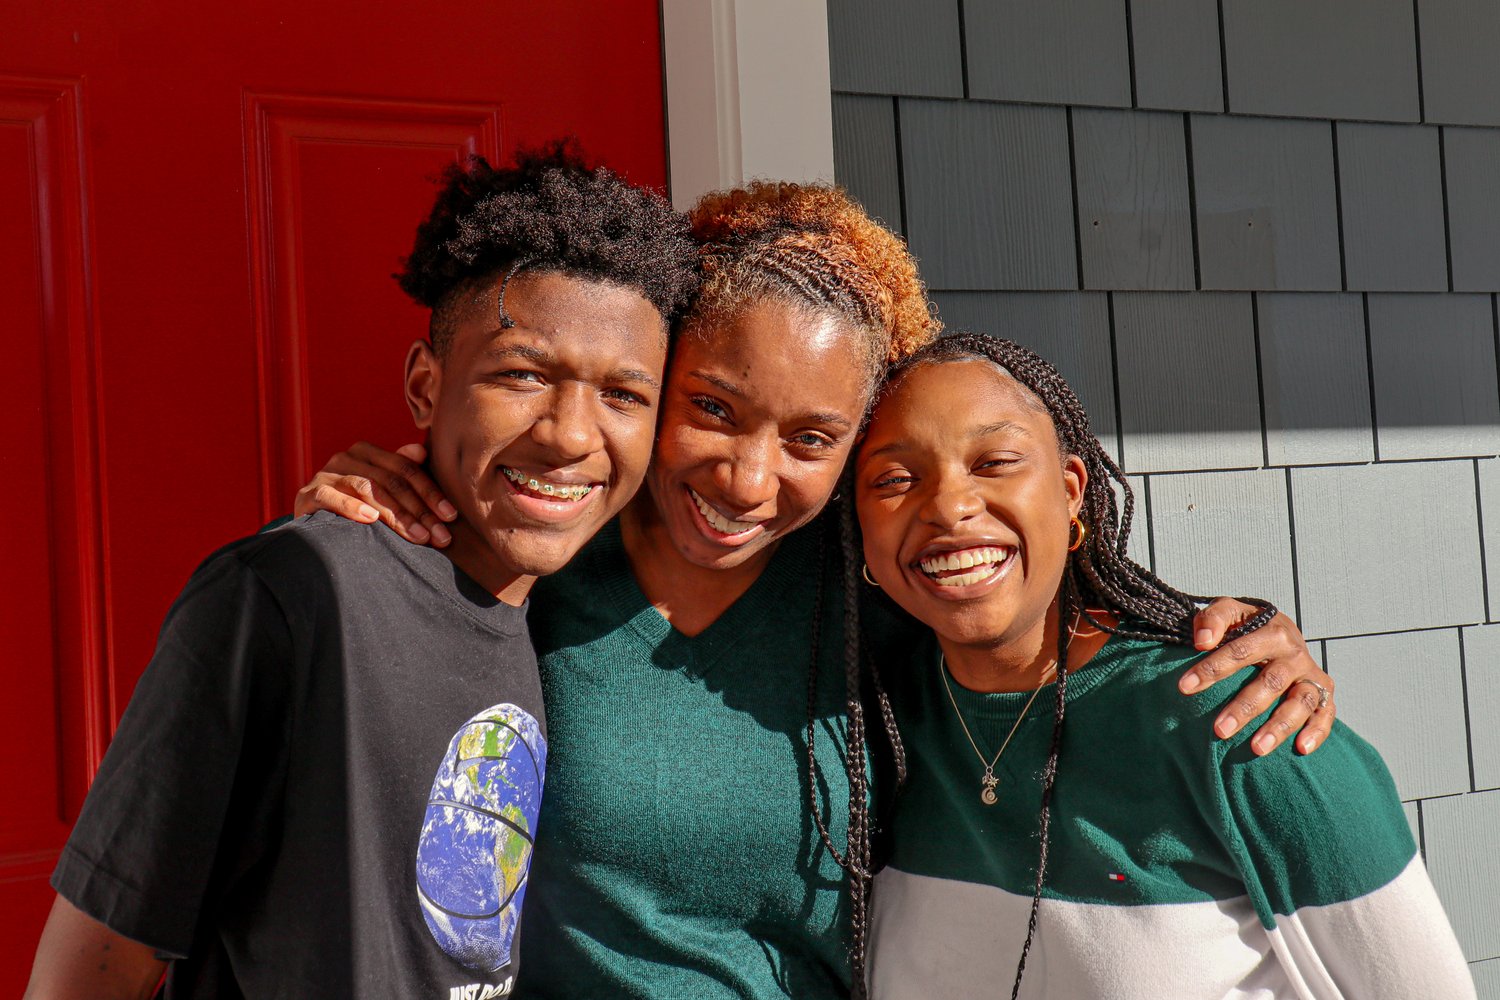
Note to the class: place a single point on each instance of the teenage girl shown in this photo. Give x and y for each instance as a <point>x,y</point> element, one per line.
<point>704,695</point>
<point>1124,854</point>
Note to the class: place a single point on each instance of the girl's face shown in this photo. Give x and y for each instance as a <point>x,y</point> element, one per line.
<point>757,419</point>
<point>965,502</point>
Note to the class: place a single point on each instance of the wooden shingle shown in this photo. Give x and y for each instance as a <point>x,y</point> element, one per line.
<point>1188,395</point>
<point>1460,833</point>
<point>989,202</point>
<point>1266,202</point>
<point>1471,161</point>
<point>1384,547</point>
<point>1482,669</point>
<point>1315,378</point>
<point>1059,52</point>
<point>1177,54</point>
<point>1434,374</point>
<point>1350,59</point>
<point>864,154</point>
<point>1459,42</point>
<point>1224,533</point>
<point>1404,693</point>
<point>1135,226</point>
<point>1391,199</point>
<point>909,47</point>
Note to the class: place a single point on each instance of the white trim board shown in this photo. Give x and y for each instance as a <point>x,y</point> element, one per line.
<point>748,93</point>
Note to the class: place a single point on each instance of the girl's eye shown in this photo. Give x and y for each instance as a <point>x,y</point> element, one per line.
<point>894,479</point>
<point>711,406</point>
<point>997,462</point>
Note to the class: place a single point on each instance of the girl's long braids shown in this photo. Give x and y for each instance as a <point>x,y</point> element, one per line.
<point>856,857</point>
<point>1099,576</point>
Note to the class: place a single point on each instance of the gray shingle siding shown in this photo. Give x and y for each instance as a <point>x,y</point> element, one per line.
<point>1284,320</point>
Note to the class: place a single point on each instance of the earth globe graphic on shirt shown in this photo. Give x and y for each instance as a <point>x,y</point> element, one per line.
<point>474,851</point>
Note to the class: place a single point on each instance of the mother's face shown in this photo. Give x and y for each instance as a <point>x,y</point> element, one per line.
<point>757,419</point>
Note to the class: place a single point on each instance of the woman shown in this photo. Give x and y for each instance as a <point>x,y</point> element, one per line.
<point>1167,864</point>
<point>696,840</point>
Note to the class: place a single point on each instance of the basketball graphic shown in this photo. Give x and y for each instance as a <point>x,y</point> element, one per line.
<point>475,848</point>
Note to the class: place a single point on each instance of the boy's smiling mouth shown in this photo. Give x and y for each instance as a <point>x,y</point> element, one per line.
<point>544,489</point>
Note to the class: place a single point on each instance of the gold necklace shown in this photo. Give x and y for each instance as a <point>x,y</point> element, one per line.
<point>989,781</point>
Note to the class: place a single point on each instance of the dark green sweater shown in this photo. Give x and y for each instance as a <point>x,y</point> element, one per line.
<point>676,857</point>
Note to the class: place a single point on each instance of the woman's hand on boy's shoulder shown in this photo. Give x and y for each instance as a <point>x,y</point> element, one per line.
<point>368,483</point>
<point>1287,672</point>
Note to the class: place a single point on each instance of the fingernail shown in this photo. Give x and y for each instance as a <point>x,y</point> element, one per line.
<point>441,535</point>
<point>368,513</point>
<point>419,532</point>
<point>447,511</point>
<point>1263,744</point>
<point>1189,683</point>
<point>1203,637</point>
<point>1308,744</point>
<point>1226,726</point>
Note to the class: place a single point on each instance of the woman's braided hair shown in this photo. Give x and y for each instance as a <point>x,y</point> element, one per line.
<point>1100,575</point>
<point>813,247</point>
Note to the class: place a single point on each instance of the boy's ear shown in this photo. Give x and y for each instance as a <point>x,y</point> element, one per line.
<point>424,382</point>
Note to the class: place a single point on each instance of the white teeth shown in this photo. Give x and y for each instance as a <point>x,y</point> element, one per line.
<point>983,561</point>
<point>718,521</point>
<point>552,491</point>
<point>984,572</point>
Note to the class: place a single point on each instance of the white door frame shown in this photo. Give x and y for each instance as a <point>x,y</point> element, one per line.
<point>748,93</point>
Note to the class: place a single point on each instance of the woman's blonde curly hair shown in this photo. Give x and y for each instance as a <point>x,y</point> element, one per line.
<point>813,245</point>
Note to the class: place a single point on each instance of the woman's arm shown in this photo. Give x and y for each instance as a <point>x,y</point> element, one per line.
<point>1287,672</point>
<point>80,957</point>
<point>371,484</point>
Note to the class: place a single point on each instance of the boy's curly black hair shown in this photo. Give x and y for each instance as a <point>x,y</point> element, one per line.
<point>551,211</point>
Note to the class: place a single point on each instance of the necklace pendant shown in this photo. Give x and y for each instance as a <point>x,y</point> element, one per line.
<point>987,795</point>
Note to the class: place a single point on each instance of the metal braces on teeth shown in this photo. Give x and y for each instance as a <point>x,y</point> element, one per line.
<point>547,489</point>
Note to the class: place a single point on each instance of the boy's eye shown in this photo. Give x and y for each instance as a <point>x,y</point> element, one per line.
<point>519,375</point>
<point>894,479</point>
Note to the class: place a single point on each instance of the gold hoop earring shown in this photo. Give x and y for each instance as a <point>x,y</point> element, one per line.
<point>1074,544</point>
<point>865,572</point>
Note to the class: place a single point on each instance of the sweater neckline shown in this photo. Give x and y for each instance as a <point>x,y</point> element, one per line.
<point>785,579</point>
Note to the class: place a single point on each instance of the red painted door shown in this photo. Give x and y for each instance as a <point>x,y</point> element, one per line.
<point>200,209</point>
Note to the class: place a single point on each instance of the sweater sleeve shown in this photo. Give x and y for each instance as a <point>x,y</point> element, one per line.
<point>170,804</point>
<point>1328,860</point>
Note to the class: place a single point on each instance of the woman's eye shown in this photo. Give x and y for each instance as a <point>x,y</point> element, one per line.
<point>712,407</point>
<point>810,439</point>
<point>997,462</point>
<point>626,397</point>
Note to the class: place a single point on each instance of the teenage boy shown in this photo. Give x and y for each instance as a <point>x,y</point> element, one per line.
<point>327,781</point>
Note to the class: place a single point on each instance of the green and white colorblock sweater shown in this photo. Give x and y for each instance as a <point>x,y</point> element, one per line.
<point>1182,866</point>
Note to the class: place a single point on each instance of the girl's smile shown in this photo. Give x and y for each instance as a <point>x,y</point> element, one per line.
<point>965,501</point>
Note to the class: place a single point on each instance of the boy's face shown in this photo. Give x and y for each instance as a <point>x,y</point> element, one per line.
<point>539,433</point>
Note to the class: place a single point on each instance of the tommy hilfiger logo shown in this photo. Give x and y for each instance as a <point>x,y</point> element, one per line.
<point>1116,877</point>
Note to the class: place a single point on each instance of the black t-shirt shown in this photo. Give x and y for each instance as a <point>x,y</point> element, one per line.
<point>328,779</point>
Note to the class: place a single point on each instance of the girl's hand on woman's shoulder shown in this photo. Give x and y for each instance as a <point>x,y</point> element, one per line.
<point>1287,671</point>
<point>369,484</point>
